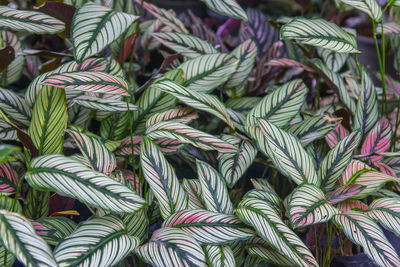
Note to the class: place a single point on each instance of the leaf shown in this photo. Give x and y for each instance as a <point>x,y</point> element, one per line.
<point>260,248</point>
<point>61,227</point>
<point>49,121</point>
<point>13,71</point>
<point>37,204</point>
<point>214,192</point>
<point>308,205</point>
<point>71,178</point>
<point>166,146</point>
<point>281,105</point>
<point>370,7</point>
<point>88,81</point>
<point>94,27</point>
<point>29,21</point>
<point>206,72</point>
<point>333,60</point>
<point>228,8</point>
<point>8,178</point>
<point>172,247</point>
<point>310,129</point>
<point>377,140</point>
<point>193,189</point>
<point>386,211</point>
<point>7,132</point>
<point>268,224</point>
<point>15,107</point>
<point>232,166</point>
<point>337,159</point>
<point>208,227</point>
<point>188,45</point>
<point>219,256</point>
<point>93,243</point>
<point>162,180</point>
<point>197,100</point>
<point>19,238</point>
<point>352,204</point>
<point>286,62</point>
<point>181,115</point>
<point>6,151</point>
<point>188,135</point>
<point>336,135</point>
<point>267,195</point>
<point>246,54</point>
<point>344,192</point>
<point>320,33</point>
<point>361,230</point>
<point>288,155</point>
<point>98,156</point>
<point>104,104</point>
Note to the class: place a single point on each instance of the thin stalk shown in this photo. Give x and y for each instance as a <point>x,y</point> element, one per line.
<point>131,135</point>
<point>393,144</point>
<point>357,64</point>
<point>328,245</point>
<point>316,243</point>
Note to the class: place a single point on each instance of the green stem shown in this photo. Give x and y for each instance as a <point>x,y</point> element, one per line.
<point>357,64</point>
<point>393,144</point>
<point>328,245</point>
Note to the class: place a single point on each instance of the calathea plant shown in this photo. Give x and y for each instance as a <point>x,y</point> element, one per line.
<point>269,146</point>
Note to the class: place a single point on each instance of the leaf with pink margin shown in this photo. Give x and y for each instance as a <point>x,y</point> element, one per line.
<point>344,192</point>
<point>8,178</point>
<point>182,115</point>
<point>386,211</point>
<point>385,169</point>
<point>377,140</point>
<point>351,204</point>
<point>352,169</point>
<point>336,135</point>
<point>286,62</point>
<point>166,145</point>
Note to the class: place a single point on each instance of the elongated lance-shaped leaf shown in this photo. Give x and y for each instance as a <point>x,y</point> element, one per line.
<point>166,145</point>
<point>361,230</point>
<point>49,120</point>
<point>193,189</point>
<point>104,104</point>
<point>172,247</point>
<point>263,184</point>
<point>228,8</point>
<point>282,105</point>
<point>308,205</point>
<point>94,27</point>
<point>337,159</point>
<point>214,192</point>
<point>69,177</point>
<point>137,224</point>
<point>92,243</point>
<point>188,135</point>
<point>182,115</point>
<point>377,140</point>
<point>243,104</point>
<point>268,224</point>
<point>336,81</point>
<point>233,165</point>
<point>332,59</point>
<point>246,54</point>
<point>12,72</point>
<point>15,107</point>
<point>61,227</point>
<point>351,204</point>
<point>29,21</point>
<point>8,178</point>
<point>7,132</point>
<point>366,114</point>
<point>268,196</point>
<point>370,7</point>
<point>161,177</point>
<point>208,227</point>
<point>204,73</point>
<point>219,256</point>
<point>311,129</point>
<point>344,192</point>
<point>99,157</point>
<point>285,62</point>
<point>320,33</point>
<point>261,249</point>
<point>386,211</point>
<point>88,81</point>
<point>354,167</point>
<point>288,155</point>
<point>19,238</point>
<point>336,135</point>
<point>188,45</point>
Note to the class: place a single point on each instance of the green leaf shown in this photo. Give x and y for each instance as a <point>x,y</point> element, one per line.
<point>60,226</point>
<point>370,7</point>
<point>311,129</point>
<point>6,150</point>
<point>15,107</point>
<point>193,189</point>
<point>219,256</point>
<point>261,249</point>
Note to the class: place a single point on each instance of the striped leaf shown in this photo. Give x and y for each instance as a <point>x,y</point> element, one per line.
<point>197,100</point>
<point>19,238</point>
<point>232,166</point>
<point>214,192</point>
<point>49,120</point>
<point>370,7</point>
<point>88,81</point>
<point>13,71</point>
<point>92,243</point>
<point>333,60</point>
<point>267,195</point>
<point>71,178</point>
<point>288,155</point>
<point>377,140</point>
<point>8,178</point>
<point>261,249</point>
<point>311,129</point>
<point>219,256</point>
<point>181,115</point>
<point>337,159</point>
<point>188,135</point>
<point>285,62</point>
<point>29,21</point>
<point>160,175</point>
<point>386,211</point>
<point>103,104</point>
<point>388,28</point>
<point>94,27</point>
<point>137,224</point>
<point>242,104</point>
<point>354,167</point>
<point>246,54</point>
<point>281,105</point>
<point>37,204</point>
<point>361,230</point>
<point>320,33</point>
<point>308,205</point>
<point>336,135</point>
<point>7,132</point>
<point>351,204</point>
<point>188,45</point>
<point>366,114</point>
<point>204,73</point>
<point>172,247</point>
<point>228,8</point>
<point>268,224</point>
<point>98,156</point>
<point>61,227</point>
<point>166,146</point>
<point>344,192</point>
<point>193,189</point>
<point>15,107</point>
<point>208,227</point>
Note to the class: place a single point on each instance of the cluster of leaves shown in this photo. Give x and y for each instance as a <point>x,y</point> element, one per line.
<point>232,148</point>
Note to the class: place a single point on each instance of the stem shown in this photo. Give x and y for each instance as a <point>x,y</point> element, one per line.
<point>318,97</point>
<point>328,245</point>
<point>316,243</point>
<point>393,145</point>
<point>357,64</point>
<point>131,135</point>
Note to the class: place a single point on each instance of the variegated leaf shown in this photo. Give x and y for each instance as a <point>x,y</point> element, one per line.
<point>377,140</point>
<point>386,211</point>
<point>333,60</point>
<point>104,104</point>
<point>61,227</point>
<point>193,189</point>
<point>8,178</point>
<point>267,195</point>
<point>261,249</point>
<point>182,115</point>
<point>336,135</point>
<point>228,8</point>
<point>285,62</point>
<point>12,73</point>
<point>166,145</point>
<point>370,7</point>
<point>246,54</point>
<point>219,256</point>
<point>242,104</point>
<point>344,192</point>
<point>351,204</point>
<point>311,129</point>
<point>15,107</point>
